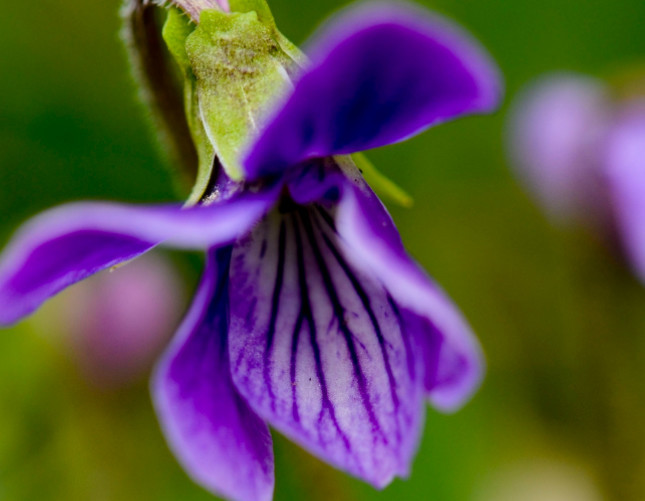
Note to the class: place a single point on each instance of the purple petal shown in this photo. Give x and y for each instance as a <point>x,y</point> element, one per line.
<point>314,182</point>
<point>553,135</point>
<point>318,348</point>
<point>454,364</point>
<point>625,170</point>
<point>219,440</point>
<point>379,74</point>
<point>69,243</point>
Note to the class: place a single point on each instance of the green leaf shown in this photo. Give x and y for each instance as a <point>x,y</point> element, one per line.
<point>382,185</point>
<point>238,70</point>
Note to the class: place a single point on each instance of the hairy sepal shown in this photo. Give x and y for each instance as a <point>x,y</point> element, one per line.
<point>176,31</point>
<point>239,70</point>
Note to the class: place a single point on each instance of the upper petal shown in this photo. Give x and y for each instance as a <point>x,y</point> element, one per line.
<point>69,243</point>
<point>379,74</point>
<point>625,171</point>
<point>318,349</point>
<point>220,441</point>
<point>454,363</point>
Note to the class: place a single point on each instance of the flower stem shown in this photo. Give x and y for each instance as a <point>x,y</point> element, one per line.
<point>161,91</point>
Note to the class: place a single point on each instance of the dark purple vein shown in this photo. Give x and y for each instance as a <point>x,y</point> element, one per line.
<point>339,311</point>
<point>365,300</point>
<point>275,304</point>
<point>307,313</point>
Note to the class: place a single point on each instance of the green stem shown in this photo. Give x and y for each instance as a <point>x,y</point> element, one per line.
<point>161,90</point>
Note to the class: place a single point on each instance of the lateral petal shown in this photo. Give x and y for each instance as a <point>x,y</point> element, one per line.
<point>454,362</point>
<point>71,242</point>
<point>219,440</point>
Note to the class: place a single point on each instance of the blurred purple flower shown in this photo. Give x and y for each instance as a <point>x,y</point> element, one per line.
<point>310,316</point>
<point>554,131</point>
<point>624,162</point>
<point>118,321</point>
<point>583,156</point>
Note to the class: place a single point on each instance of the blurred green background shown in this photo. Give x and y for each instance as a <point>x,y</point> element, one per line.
<point>561,414</point>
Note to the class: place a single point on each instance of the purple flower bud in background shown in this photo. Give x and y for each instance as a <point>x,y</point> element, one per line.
<point>624,162</point>
<point>554,135</point>
<point>582,154</point>
<point>118,321</point>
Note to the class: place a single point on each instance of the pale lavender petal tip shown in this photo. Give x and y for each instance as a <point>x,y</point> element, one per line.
<point>65,245</point>
<point>219,440</point>
<point>625,171</point>
<point>553,141</point>
<point>380,73</point>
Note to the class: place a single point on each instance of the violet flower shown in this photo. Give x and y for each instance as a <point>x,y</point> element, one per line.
<point>582,154</point>
<point>310,316</point>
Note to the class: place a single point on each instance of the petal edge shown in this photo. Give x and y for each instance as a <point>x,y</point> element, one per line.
<point>67,244</point>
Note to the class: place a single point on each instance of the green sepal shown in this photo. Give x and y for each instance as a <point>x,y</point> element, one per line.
<point>381,184</point>
<point>238,70</point>
<point>176,31</point>
<point>266,17</point>
<point>260,7</point>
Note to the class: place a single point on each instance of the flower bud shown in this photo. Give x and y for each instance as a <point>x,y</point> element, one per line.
<point>116,323</point>
<point>555,132</point>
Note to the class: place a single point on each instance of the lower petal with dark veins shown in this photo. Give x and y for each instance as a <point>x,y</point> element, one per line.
<point>318,350</point>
